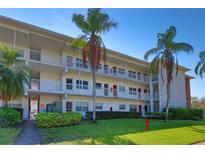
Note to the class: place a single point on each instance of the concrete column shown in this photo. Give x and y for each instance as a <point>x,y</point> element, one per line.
<point>151,95</point>
<point>64,104</point>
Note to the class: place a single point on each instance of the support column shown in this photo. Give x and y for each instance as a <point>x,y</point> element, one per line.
<point>151,94</point>
<point>64,103</point>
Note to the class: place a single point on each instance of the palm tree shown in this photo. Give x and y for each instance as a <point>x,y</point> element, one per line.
<point>200,67</point>
<point>13,75</point>
<point>166,54</point>
<point>93,48</point>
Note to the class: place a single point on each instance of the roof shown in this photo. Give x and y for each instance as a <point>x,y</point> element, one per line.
<point>66,38</point>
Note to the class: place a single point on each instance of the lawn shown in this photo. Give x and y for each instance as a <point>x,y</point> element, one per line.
<point>127,131</point>
<point>8,135</point>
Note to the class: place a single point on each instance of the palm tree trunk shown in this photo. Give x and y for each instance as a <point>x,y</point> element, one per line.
<point>94,96</point>
<point>167,102</point>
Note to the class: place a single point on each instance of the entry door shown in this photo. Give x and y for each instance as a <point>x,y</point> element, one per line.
<point>115,90</point>
<point>140,108</point>
<point>106,89</point>
<point>68,106</point>
<point>33,108</point>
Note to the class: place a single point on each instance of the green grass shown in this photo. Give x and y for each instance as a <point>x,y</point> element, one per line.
<point>7,135</point>
<point>127,131</point>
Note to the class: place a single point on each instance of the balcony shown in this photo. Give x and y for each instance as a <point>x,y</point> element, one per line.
<point>71,64</point>
<point>34,84</point>
<point>105,92</point>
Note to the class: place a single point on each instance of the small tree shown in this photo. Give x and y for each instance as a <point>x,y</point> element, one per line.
<point>166,57</point>
<point>93,48</point>
<point>13,75</point>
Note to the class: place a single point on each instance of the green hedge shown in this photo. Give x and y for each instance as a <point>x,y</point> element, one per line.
<point>158,115</point>
<point>112,115</point>
<point>9,117</point>
<point>54,119</point>
<point>178,113</point>
<point>183,113</point>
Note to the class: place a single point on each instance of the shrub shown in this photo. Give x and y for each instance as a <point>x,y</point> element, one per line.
<point>158,115</point>
<point>9,117</point>
<point>54,119</point>
<point>183,113</point>
<point>112,115</point>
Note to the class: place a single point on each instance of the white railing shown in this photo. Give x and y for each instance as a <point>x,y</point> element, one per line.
<point>106,92</point>
<point>35,84</point>
<point>108,71</point>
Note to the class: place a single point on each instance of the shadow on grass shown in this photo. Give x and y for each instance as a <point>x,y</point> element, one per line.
<point>108,131</point>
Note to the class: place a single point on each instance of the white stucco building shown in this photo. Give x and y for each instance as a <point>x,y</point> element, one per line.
<point>59,80</point>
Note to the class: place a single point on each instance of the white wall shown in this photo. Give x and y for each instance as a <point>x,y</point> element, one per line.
<point>50,82</point>
<point>178,93</point>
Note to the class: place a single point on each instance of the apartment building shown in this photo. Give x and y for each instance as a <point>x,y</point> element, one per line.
<point>60,81</point>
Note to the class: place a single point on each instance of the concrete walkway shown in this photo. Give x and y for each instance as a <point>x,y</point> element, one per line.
<point>29,134</point>
<point>200,143</point>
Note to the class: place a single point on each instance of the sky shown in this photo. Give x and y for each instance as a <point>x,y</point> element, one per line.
<point>136,32</point>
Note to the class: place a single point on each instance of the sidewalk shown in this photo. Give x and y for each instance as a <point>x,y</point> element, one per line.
<point>29,134</point>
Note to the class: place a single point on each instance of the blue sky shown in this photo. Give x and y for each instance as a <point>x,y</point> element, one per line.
<point>136,32</point>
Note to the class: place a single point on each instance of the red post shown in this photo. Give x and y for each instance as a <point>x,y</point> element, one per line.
<point>146,124</point>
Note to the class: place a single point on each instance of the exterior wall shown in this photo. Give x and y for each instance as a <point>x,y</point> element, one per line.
<point>51,57</point>
<point>106,102</point>
<point>50,82</point>
<point>188,92</point>
<point>178,92</point>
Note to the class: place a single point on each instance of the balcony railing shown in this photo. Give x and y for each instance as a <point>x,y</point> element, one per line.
<point>34,84</point>
<point>108,71</point>
<point>106,92</point>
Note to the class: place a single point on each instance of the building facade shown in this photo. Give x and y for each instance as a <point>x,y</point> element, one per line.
<point>61,82</point>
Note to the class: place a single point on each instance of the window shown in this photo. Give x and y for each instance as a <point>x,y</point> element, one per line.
<point>81,106</point>
<point>139,76</point>
<point>99,106</point>
<point>99,67</point>
<point>69,84</point>
<point>35,55</point>
<point>105,69</point>
<point>80,84</point>
<point>133,108</point>
<point>114,70</point>
<point>132,91</point>
<point>145,108</point>
<point>80,64</point>
<point>122,88</point>
<point>132,74</point>
<point>121,71</point>
<point>68,106</point>
<point>98,85</point>
<point>145,90</point>
<point>85,84</point>
<point>122,107</point>
<point>69,61</point>
<point>21,53</point>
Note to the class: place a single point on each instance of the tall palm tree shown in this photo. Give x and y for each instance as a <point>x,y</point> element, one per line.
<point>166,54</point>
<point>93,48</point>
<point>13,75</point>
<point>200,67</point>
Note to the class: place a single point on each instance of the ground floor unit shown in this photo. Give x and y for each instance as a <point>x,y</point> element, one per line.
<point>35,103</point>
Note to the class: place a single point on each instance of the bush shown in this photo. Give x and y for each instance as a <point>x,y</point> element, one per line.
<point>158,115</point>
<point>54,119</point>
<point>20,110</point>
<point>183,113</point>
<point>112,115</point>
<point>9,117</point>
